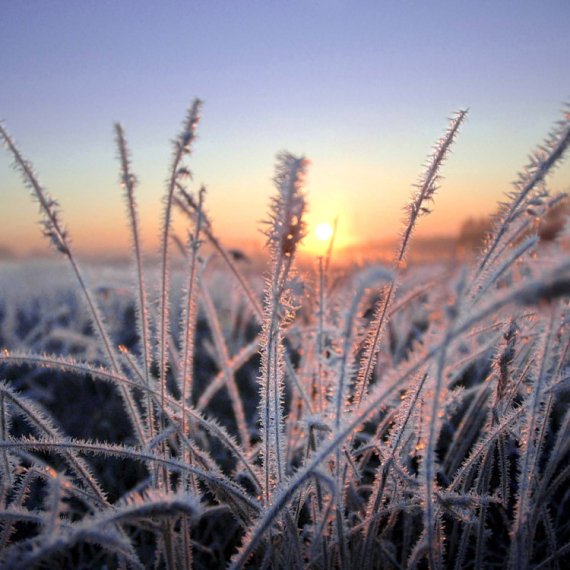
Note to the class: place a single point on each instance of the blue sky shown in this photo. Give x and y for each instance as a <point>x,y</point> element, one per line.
<point>362,88</point>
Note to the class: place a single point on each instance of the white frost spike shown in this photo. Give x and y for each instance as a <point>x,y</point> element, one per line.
<point>182,147</point>
<point>287,227</point>
<point>286,230</point>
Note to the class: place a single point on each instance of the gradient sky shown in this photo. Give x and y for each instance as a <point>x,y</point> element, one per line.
<point>363,88</point>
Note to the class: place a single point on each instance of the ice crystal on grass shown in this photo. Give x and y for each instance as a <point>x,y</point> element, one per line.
<point>374,418</point>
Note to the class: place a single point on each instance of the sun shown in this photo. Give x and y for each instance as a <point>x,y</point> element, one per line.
<point>324,231</point>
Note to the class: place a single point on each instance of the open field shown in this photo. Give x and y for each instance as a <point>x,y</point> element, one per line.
<point>206,414</point>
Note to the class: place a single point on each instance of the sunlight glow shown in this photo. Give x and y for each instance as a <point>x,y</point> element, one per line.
<point>324,231</point>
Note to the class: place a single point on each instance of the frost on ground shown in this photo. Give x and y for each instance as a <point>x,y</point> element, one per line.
<point>384,417</point>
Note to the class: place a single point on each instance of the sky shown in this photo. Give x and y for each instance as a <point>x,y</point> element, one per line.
<point>363,88</point>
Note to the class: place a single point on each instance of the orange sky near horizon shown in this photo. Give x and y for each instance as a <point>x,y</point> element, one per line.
<point>369,210</point>
<point>361,88</point>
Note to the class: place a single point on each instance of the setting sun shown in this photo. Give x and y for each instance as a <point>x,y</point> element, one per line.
<point>324,231</point>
